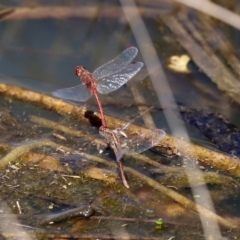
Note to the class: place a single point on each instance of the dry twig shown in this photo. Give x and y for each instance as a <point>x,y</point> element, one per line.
<point>205,156</point>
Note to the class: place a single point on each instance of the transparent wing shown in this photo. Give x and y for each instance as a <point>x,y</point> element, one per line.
<point>140,142</point>
<point>115,81</point>
<point>111,138</point>
<point>78,93</point>
<point>118,152</point>
<point>116,64</point>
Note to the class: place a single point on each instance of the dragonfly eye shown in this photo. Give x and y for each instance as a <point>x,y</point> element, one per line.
<point>78,71</point>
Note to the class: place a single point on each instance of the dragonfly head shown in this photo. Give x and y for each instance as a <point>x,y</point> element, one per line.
<point>104,132</point>
<point>79,70</point>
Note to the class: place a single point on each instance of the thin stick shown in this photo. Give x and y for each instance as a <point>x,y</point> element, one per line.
<point>205,156</point>
<point>60,12</point>
<point>147,118</point>
<point>210,64</point>
<point>28,146</point>
<point>18,151</point>
<point>19,207</point>
<point>73,132</point>
<point>214,10</point>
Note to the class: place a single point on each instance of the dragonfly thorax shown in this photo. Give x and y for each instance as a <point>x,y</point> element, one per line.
<point>86,77</point>
<point>109,134</point>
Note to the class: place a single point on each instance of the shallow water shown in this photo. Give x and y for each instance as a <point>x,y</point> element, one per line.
<point>42,55</point>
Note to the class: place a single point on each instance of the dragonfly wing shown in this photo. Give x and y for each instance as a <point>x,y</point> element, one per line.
<point>111,138</point>
<point>140,142</point>
<point>116,64</point>
<point>78,93</point>
<point>115,81</point>
<point>118,152</point>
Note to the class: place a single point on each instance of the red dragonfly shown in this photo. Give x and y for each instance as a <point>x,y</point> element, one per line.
<point>123,141</point>
<point>105,79</point>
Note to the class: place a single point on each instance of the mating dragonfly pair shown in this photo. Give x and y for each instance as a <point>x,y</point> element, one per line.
<point>105,79</point>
